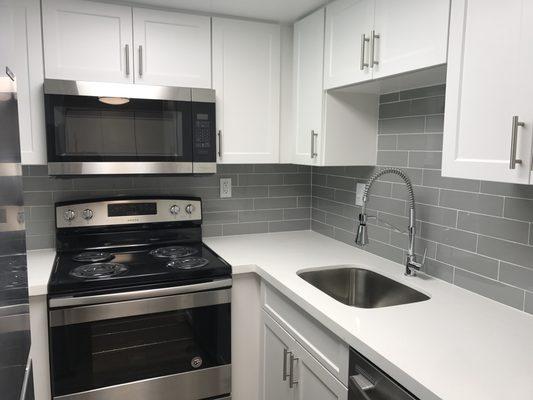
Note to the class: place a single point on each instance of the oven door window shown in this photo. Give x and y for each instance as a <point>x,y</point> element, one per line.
<point>110,352</point>
<point>83,129</point>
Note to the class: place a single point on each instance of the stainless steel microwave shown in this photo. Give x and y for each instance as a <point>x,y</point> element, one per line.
<point>95,128</point>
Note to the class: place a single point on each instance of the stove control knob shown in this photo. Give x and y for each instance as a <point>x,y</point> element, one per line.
<point>175,209</point>
<point>189,209</point>
<point>87,214</point>
<point>69,215</point>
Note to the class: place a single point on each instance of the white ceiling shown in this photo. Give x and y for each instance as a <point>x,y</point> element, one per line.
<point>273,10</point>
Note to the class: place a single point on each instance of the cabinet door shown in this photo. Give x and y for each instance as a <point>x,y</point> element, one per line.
<point>485,89</point>
<point>28,66</point>
<point>84,40</point>
<point>172,49</point>
<point>347,52</point>
<point>413,34</point>
<point>276,344</point>
<point>308,67</point>
<point>313,381</point>
<point>246,77</point>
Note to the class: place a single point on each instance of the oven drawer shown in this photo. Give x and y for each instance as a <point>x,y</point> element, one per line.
<point>195,385</point>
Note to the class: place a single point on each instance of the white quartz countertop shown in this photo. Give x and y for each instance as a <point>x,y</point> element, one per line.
<point>455,346</point>
<point>40,264</point>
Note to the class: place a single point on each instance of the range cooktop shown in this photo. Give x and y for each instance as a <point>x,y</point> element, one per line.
<point>126,268</point>
<point>129,244</point>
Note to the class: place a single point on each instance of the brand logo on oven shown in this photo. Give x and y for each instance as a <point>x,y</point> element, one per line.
<point>133,219</point>
<point>197,362</point>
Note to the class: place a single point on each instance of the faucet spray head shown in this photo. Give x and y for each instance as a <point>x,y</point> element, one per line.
<point>361,238</point>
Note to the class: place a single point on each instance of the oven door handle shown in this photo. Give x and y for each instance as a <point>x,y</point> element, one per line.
<point>138,307</point>
<point>70,301</point>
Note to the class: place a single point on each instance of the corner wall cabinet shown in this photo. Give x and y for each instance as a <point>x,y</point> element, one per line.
<point>488,125</point>
<point>371,39</point>
<point>246,77</point>
<point>330,128</point>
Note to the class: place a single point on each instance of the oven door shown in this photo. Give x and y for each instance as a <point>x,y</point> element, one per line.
<point>89,135</point>
<point>154,346</point>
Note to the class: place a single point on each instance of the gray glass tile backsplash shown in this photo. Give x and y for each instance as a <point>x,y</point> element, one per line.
<point>478,235</point>
<point>265,198</point>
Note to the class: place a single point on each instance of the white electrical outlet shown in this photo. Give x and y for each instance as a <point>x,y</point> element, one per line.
<point>225,188</point>
<point>359,191</point>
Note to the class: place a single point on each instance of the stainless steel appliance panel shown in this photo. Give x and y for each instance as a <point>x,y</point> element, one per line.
<point>368,382</point>
<point>195,385</point>
<point>121,309</point>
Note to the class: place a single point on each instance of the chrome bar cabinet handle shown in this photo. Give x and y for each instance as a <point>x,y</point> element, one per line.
<point>364,41</point>
<point>140,61</point>
<point>127,51</point>
<point>314,136</point>
<point>292,359</point>
<point>514,140</point>
<point>285,354</point>
<point>373,61</point>
<point>220,143</point>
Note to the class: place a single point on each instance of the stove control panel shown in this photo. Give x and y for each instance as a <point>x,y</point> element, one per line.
<point>128,211</point>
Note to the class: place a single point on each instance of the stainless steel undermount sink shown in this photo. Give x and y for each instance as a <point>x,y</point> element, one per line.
<point>359,287</point>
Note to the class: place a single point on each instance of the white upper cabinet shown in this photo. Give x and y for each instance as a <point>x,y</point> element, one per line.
<point>172,49</point>
<point>308,64</point>
<point>348,27</point>
<point>371,39</point>
<point>409,35</point>
<point>28,66</point>
<point>85,40</point>
<point>488,93</point>
<point>329,128</point>
<point>246,77</point>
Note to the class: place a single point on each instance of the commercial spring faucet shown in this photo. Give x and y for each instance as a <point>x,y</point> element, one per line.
<point>411,266</point>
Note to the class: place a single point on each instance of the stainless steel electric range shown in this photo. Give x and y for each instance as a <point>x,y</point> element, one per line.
<point>139,307</point>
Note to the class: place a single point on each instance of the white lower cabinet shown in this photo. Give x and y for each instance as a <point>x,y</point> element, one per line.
<point>290,372</point>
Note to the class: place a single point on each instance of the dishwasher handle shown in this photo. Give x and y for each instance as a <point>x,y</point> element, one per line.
<point>359,385</point>
<point>368,382</point>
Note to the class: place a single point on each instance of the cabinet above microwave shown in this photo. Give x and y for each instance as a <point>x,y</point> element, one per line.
<point>97,128</point>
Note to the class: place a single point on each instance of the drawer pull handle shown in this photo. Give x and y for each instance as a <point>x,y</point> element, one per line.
<point>285,354</point>
<point>292,381</point>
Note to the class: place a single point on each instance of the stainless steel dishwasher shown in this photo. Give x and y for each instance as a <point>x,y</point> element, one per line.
<point>368,382</point>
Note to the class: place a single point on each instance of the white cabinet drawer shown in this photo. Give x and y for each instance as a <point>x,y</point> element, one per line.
<point>328,349</point>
